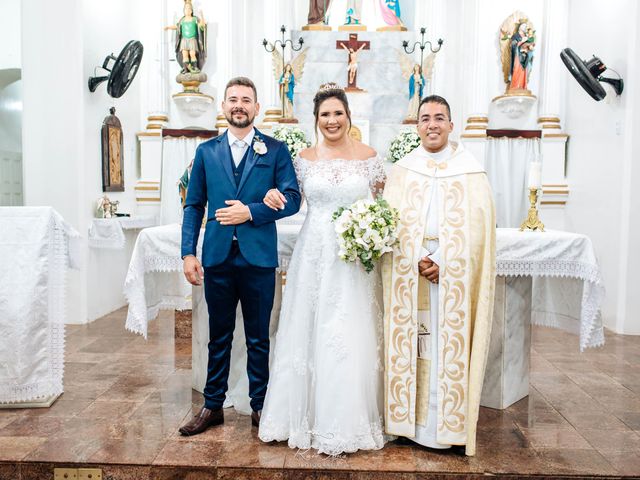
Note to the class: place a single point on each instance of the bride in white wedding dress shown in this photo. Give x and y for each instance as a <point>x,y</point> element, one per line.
<point>325,388</point>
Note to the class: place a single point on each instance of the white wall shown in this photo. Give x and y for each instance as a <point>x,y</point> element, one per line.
<point>10,106</point>
<point>61,131</point>
<point>10,34</point>
<point>101,38</point>
<point>600,164</point>
<point>53,119</point>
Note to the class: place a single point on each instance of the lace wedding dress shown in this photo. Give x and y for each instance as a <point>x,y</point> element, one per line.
<point>325,388</point>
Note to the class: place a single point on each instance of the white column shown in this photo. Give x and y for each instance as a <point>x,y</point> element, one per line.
<point>274,16</point>
<point>155,104</point>
<point>155,64</point>
<point>221,46</point>
<point>553,88</point>
<point>477,39</point>
<point>555,188</point>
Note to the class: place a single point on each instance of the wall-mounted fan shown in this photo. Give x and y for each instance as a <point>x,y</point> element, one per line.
<point>123,70</point>
<point>589,74</point>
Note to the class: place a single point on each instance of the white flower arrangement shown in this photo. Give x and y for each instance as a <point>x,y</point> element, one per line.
<point>293,137</point>
<point>365,231</point>
<point>405,142</point>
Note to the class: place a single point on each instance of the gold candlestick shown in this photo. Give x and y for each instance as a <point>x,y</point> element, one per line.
<point>532,222</point>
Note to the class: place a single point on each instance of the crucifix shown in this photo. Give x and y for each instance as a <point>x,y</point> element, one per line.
<point>353,48</point>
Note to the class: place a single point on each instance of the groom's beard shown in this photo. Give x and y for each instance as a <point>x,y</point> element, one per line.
<point>239,123</point>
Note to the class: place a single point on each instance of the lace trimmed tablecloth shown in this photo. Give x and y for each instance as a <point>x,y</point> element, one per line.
<point>567,291</point>
<point>155,280</point>
<point>36,249</point>
<point>567,288</point>
<point>108,232</point>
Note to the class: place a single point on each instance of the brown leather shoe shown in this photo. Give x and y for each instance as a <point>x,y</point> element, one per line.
<point>204,419</point>
<point>255,417</point>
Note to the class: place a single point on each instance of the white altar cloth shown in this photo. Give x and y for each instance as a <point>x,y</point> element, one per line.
<point>109,232</point>
<point>563,266</point>
<point>155,280</point>
<point>560,262</point>
<point>36,248</point>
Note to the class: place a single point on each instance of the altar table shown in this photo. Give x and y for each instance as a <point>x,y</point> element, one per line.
<point>560,266</point>
<point>36,249</point>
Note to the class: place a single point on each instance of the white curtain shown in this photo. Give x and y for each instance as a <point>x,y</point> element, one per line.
<point>177,153</point>
<point>507,164</point>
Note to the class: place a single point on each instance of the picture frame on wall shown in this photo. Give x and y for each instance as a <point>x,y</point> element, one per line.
<point>112,154</point>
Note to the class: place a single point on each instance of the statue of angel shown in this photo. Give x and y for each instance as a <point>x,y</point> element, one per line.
<point>517,43</point>
<point>415,74</point>
<point>287,76</point>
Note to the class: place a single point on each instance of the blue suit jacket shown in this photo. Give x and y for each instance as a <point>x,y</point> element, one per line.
<point>212,182</point>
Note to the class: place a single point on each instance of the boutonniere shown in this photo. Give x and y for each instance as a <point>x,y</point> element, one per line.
<point>258,146</point>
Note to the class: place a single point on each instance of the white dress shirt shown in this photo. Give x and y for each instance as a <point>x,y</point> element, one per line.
<point>239,146</point>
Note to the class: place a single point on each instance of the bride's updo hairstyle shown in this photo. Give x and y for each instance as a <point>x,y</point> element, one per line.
<point>327,91</point>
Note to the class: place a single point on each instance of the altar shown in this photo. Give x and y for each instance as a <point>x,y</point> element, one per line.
<point>543,278</point>
<point>37,248</point>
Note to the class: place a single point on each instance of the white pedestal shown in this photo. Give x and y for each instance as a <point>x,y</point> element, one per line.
<point>514,112</point>
<point>507,376</point>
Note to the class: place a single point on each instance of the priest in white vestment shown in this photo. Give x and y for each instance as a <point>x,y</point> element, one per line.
<point>438,288</point>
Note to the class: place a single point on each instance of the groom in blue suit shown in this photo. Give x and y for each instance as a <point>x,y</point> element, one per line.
<point>231,175</point>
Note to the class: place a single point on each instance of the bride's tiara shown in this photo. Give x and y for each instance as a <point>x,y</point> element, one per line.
<point>331,86</point>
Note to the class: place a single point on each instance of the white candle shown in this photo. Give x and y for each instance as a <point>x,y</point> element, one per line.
<point>535,174</point>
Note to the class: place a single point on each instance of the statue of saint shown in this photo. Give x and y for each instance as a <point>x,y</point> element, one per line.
<point>517,43</point>
<point>390,10</point>
<point>106,208</point>
<point>191,40</point>
<point>318,11</point>
<point>354,12</point>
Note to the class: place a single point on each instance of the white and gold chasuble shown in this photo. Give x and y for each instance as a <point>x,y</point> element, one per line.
<point>465,296</point>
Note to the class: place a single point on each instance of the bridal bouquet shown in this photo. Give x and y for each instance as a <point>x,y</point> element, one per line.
<point>366,230</point>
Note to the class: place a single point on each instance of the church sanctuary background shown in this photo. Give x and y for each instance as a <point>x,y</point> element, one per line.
<point>103,343</point>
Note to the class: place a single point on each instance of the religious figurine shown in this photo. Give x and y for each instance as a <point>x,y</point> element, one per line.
<point>191,40</point>
<point>354,12</point>
<point>352,66</point>
<point>106,208</point>
<point>287,75</point>
<point>415,74</point>
<point>390,10</point>
<point>517,43</point>
<point>318,12</point>
<point>183,183</point>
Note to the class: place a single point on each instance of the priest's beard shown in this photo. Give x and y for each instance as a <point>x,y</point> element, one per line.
<point>239,123</point>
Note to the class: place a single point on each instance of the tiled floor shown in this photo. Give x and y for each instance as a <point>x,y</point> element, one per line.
<point>125,397</point>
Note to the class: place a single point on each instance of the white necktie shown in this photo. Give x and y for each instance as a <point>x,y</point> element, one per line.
<point>238,151</point>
